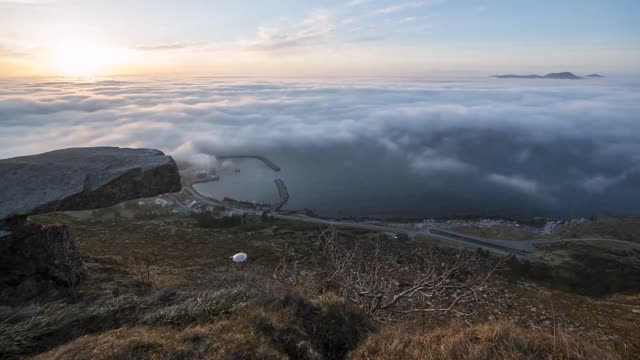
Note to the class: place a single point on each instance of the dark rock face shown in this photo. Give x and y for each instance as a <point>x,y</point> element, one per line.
<point>83,179</point>
<point>35,258</point>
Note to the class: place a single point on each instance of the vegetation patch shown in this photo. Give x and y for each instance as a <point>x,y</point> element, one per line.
<point>584,269</point>
<point>486,341</point>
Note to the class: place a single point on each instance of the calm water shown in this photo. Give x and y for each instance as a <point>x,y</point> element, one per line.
<point>358,183</point>
<point>253,182</point>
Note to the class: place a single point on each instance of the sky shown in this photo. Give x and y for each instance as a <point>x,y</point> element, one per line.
<point>317,38</point>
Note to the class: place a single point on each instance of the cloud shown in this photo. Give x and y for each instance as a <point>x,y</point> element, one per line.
<point>309,31</point>
<point>172,46</point>
<point>366,39</point>
<point>327,25</point>
<point>478,145</point>
<point>398,8</point>
<point>27,2</point>
<point>516,182</point>
<point>357,2</point>
<point>600,183</point>
<point>431,162</point>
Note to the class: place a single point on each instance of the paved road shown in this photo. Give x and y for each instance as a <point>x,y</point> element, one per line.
<point>514,247</point>
<point>519,248</point>
<point>499,247</point>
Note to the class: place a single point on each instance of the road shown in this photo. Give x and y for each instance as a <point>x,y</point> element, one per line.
<point>514,247</point>
<point>501,247</point>
<point>497,246</point>
<point>518,248</point>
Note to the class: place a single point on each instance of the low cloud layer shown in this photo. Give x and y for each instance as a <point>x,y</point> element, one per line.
<point>550,148</point>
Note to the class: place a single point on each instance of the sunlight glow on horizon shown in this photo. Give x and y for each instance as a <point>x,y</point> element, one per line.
<point>304,38</point>
<point>73,57</point>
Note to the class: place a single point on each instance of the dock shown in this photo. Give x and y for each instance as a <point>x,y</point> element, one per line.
<point>265,160</point>
<point>284,194</point>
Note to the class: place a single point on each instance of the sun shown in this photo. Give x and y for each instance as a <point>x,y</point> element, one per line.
<point>80,58</point>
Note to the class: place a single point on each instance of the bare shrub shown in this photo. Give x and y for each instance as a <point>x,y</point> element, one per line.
<point>385,288</point>
<point>71,279</point>
<point>287,272</point>
<point>141,267</point>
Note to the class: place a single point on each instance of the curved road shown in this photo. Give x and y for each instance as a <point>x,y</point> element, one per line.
<point>518,248</point>
<point>496,246</point>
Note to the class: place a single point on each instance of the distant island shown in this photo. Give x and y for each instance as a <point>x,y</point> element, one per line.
<point>560,76</point>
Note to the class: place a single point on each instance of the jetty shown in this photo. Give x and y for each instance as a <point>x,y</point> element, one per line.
<point>265,160</point>
<point>283,193</point>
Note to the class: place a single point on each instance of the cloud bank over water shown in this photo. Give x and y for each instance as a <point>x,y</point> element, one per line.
<point>499,146</point>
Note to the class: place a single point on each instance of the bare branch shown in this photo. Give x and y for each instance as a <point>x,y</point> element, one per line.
<point>379,284</point>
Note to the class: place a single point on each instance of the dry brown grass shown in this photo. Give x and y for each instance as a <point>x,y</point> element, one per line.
<point>266,333</point>
<point>218,341</point>
<point>284,327</point>
<point>28,330</point>
<point>497,340</point>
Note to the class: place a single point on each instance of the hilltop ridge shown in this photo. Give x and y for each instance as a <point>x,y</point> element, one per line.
<point>559,75</point>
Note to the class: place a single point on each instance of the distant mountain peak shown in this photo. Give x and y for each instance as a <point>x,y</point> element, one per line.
<point>560,75</point>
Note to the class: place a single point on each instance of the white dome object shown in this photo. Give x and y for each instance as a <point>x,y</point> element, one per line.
<point>239,257</point>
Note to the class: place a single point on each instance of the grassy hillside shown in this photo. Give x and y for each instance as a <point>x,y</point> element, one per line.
<point>165,288</point>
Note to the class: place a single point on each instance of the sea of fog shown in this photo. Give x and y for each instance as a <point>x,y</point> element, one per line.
<point>410,147</point>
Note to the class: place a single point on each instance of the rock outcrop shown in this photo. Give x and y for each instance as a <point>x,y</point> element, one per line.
<point>36,258</point>
<point>83,179</point>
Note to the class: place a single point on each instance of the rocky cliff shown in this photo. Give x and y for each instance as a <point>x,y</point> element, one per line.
<point>35,258</point>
